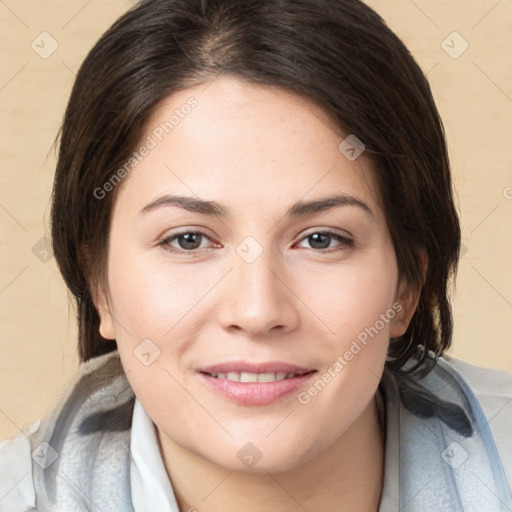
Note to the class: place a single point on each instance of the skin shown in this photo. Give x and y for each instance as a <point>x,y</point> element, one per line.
<point>256,150</point>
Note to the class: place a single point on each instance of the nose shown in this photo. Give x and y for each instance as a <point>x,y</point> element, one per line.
<point>258,298</point>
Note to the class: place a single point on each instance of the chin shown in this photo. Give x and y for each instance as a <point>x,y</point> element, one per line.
<point>262,457</point>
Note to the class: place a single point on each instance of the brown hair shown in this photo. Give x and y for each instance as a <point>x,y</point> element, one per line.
<point>337,53</point>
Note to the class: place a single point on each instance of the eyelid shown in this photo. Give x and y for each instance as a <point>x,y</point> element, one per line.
<point>332,231</point>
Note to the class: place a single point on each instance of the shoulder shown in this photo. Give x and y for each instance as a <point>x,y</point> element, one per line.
<point>483,381</point>
<point>95,413</point>
<point>493,390</point>
<point>16,482</point>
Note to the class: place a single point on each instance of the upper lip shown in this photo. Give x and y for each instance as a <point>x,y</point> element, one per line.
<point>249,367</point>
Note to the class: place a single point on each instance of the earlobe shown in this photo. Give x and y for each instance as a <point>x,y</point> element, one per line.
<point>406,302</point>
<point>407,298</point>
<point>98,295</point>
<point>106,327</point>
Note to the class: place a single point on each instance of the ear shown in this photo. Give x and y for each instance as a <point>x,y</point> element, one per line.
<point>99,295</point>
<point>103,306</point>
<point>407,298</point>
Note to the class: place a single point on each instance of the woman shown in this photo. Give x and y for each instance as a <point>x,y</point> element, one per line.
<point>253,209</point>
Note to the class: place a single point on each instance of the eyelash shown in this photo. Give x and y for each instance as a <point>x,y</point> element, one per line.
<point>345,242</point>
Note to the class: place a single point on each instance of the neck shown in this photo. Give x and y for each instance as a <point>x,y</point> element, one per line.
<point>345,477</point>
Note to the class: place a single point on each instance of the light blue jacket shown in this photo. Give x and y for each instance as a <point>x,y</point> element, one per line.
<point>448,446</point>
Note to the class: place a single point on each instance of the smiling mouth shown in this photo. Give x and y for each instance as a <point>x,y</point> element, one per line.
<point>252,384</point>
<point>255,377</point>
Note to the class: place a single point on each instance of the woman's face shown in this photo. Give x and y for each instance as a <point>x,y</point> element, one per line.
<point>258,289</point>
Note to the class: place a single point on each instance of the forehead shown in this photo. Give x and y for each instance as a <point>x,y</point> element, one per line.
<point>248,144</point>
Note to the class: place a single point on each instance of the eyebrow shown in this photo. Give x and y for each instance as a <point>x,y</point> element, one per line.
<point>298,209</point>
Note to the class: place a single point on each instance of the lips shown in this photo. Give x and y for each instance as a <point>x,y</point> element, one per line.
<point>255,383</point>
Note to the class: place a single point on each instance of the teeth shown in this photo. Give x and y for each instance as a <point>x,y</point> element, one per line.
<point>248,377</point>
<point>266,377</point>
<point>254,377</point>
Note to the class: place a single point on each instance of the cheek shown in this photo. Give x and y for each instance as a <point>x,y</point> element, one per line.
<point>149,300</point>
<point>159,310</point>
<point>354,298</point>
<point>354,357</point>
<point>152,323</point>
<point>359,310</point>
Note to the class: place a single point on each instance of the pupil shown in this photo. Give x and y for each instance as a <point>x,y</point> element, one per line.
<point>190,241</point>
<point>317,239</point>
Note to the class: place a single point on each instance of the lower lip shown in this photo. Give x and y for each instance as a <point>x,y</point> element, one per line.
<point>256,393</point>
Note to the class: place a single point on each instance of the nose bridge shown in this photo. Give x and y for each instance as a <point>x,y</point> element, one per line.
<point>254,277</point>
<point>257,298</point>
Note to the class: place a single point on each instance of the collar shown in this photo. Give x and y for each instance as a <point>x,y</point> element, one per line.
<point>151,489</point>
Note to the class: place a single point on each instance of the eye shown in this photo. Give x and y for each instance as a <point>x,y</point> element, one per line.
<point>191,241</point>
<point>321,241</point>
<point>187,241</point>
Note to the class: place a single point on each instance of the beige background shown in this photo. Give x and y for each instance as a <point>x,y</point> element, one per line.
<point>473,93</point>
